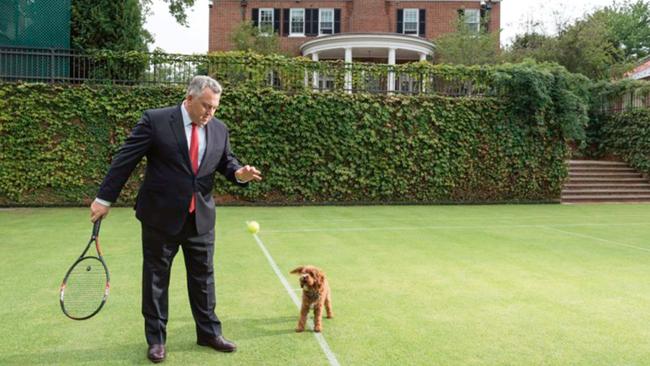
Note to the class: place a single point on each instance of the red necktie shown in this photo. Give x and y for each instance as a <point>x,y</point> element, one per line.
<point>194,157</point>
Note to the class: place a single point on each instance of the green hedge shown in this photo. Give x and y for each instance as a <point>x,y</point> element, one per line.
<point>57,141</point>
<point>620,122</point>
<point>627,136</point>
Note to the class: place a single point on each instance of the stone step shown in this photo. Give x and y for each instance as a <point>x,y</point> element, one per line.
<point>601,163</point>
<point>608,198</point>
<point>617,169</point>
<point>606,180</point>
<point>605,192</point>
<point>606,186</point>
<point>604,174</point>
<point>603,181</point>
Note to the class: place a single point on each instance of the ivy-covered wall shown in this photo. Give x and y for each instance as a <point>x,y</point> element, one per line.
<point>57,141</point>
<point>620,122</point>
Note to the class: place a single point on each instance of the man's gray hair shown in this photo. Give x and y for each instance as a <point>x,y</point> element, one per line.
<point>199,83</point>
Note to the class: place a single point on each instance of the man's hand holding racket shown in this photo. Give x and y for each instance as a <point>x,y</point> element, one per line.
<point>98,211</point>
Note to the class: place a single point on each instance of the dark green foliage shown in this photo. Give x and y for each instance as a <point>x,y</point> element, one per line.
<point>620,123</point>
<point>313,147</point>
<point>601,45</point>
<point>247,37</point>
<point>627,135</point>
<point>629,27</point>
<point>466,46</point>
<point>108,25</point>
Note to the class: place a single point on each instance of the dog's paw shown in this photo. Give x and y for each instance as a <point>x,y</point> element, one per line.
<point>317,329</point>
<point>299,330</point>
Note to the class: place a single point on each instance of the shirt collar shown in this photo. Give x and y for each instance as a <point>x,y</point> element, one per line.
<point>186,116</point>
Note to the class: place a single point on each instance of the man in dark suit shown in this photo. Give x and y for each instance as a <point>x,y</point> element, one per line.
<point>185,146</point>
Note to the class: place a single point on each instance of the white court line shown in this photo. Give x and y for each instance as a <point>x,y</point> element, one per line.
<point>319,337</point>
<point>464,218</point>
<point>407,228</point>
<point>597,238</point>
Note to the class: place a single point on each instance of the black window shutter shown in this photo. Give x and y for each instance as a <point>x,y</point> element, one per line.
<point>255,16</point>
<point>484,20</point>
<point>285,22</point>
<point>311,22</point>
<point>308,22</point>
<point>337,20</point>
<point>276,21</point>
<point>423,22</point>
<point>400,20</point>
<point>314,21</point>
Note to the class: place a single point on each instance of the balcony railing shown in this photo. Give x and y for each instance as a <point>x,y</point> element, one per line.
<point>290,75</point>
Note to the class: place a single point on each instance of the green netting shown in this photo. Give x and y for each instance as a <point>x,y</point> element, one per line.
<point>42,24</point>
<point>35,23</point>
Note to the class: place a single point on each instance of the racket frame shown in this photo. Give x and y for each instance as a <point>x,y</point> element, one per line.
<point>94,238</point>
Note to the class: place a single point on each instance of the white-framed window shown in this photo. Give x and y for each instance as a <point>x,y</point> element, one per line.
<point>325,82</point>
<point>325,21</point>
<point>273,79</point>
<point>473,19</point>
<point>411,21</point>
<point>297,22</point>
<point>265,22</point>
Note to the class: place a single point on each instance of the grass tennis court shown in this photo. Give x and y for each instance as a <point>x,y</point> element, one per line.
<point>411,285</point>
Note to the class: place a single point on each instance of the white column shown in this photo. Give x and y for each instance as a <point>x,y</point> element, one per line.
<point>348,72</point>
<point>314,82</point>
<point>423,57</point>
<point>391,75</point>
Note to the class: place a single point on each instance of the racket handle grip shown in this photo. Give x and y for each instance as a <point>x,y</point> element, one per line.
<point>96,228</point>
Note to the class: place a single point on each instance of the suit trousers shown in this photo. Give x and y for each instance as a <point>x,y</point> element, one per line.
<point>158,251</point>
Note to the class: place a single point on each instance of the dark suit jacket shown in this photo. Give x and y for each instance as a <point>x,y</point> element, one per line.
<point>169,182</point>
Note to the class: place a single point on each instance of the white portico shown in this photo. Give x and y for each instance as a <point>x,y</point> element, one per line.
<point>376,47</point>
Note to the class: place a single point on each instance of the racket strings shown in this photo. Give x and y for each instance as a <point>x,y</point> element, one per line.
<point>85,288</point>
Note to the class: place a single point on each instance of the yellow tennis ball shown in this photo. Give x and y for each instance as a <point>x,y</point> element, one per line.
<point>253,227</point>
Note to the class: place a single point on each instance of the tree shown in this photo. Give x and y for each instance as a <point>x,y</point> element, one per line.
<point>177,8</point>
<point>600,45</point>
<point>467,47</point>
<point>118,25</point>
<point>629,27</point>
<point>586,47</point>
<point>247,37</point>
<point>531,45</point>
<point>108,24</point>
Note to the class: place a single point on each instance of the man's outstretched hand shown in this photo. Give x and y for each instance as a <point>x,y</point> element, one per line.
<point>248,173</point>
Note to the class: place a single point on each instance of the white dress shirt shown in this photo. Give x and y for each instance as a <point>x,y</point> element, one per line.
<point>187,122</point>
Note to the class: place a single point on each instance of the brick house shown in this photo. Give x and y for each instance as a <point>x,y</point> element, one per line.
<point>301,22</point>
<point>381,31</point>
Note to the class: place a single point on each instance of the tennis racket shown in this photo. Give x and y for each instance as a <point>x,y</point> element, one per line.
<point>86,285</point>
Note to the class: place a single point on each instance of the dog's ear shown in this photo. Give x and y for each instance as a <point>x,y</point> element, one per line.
<point>298,270</point>
<point>319,277</point>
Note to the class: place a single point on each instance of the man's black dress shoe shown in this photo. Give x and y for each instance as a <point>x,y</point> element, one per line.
<point>219,343</point>
<point>156,353</point>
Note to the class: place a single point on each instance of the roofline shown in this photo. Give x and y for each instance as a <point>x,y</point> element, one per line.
<point>384,36</point>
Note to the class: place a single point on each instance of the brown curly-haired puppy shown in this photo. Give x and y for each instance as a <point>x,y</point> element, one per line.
<point>316,293</point>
